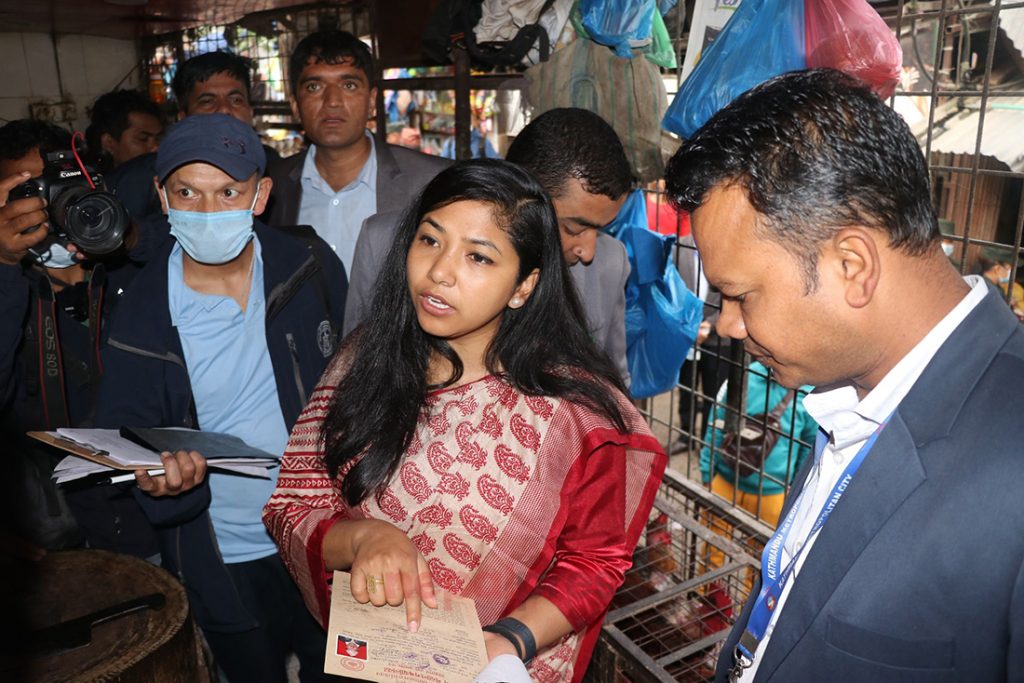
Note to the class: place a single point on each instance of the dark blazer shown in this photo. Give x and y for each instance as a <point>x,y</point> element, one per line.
<point>601,285</point>
<point>918,574</point>
<point>401,175</point>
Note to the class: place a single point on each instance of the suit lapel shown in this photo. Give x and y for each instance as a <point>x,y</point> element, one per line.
<point>890,473</point>
<point>293,200</point>
<point>391,190</point>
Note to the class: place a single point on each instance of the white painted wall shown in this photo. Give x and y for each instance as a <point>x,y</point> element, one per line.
<point>89,67</point>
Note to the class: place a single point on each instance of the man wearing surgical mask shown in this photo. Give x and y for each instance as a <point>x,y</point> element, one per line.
<point>55,310</point>
<point>227,329</point>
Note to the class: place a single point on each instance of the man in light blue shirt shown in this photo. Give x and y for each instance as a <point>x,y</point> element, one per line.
<point>227,329</point>
<point>344,177</point>
<point>338,215</point>
<point>235,393</point>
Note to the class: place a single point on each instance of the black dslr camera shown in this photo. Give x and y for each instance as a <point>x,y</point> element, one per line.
<point>80,213</point>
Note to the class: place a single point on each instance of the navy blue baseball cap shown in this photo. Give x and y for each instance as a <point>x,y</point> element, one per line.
<point>217,139</point>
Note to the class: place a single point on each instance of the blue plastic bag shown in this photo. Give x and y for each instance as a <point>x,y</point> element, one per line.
<point>662,315</point>
<point>619,24</point>
<point>764,38</point>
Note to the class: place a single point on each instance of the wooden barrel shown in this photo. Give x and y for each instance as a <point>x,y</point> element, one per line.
<point>155,642</point>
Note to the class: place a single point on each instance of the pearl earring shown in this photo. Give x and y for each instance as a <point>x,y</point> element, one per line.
<point>516,302</point>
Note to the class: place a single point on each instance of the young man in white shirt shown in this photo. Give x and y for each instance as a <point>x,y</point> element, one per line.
<point>899,555</point>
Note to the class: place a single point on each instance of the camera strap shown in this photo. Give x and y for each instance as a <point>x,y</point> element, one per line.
<point>96,287</point>
<point>43,355</point>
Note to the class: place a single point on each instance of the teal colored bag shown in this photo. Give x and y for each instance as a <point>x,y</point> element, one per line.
<point>662,315</point>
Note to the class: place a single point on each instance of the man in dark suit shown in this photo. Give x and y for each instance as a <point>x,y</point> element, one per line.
<point>345,176</point>
<point>580,162</point>
<point>900,555</point>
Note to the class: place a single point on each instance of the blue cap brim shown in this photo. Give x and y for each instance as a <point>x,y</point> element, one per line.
<point>239,168</point>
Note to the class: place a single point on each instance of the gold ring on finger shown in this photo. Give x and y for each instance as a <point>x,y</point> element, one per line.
<point>373,583</point>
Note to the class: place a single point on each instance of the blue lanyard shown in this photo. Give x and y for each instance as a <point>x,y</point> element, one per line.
<point>775,578</point>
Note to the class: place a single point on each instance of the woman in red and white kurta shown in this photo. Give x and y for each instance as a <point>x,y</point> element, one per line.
<point>500,461</point>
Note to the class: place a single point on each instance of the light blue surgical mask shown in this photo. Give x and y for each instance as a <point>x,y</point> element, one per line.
<point>947,248</point>
<point>54,256</point>
<point>215,237</point>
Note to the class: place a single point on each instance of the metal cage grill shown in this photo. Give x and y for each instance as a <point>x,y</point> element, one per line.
<point>684,590</point>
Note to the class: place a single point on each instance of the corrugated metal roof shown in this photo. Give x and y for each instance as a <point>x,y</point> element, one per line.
<point>1002,139</point>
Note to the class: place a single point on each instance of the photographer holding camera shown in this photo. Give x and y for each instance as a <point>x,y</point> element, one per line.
<point>55,302</point>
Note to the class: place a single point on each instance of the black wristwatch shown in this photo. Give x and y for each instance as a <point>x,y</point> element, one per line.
<point>517,633</point>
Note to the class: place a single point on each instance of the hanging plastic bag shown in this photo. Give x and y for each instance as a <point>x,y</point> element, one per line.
<point>763,39</point>
<point>659,51</point>
<point>627,93</point>
<point>619,24</point>
<point>662,315</point>
<point>850,36</point>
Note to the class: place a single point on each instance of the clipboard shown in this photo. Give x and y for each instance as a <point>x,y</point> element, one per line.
<point>81,450</point>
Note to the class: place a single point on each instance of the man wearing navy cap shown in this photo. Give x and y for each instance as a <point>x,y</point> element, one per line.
<point>226,329</point>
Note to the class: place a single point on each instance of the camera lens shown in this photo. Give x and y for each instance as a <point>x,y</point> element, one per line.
<point>91,219</point>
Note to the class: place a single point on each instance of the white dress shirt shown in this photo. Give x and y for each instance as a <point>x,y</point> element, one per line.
<point>849,423</point>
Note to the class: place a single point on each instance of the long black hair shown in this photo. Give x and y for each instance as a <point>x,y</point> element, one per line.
<point>541,348</point>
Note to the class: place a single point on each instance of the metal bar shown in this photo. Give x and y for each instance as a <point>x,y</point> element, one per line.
<point>736,516</point>
<point>981,171</point>
<point>976,161</point>
<point>737,386</point>
<point>637,660</point>
<point>688,522</point>
<point>480,82</point>
<point>933,104</point>
<point>1016,243</point>
<point>379,115</point>
<point>971,9</point>
<point>899,38</point>
<point>961,93</point>
<point>693,648</point>
<point>463,117</point>
<point>660,597</point>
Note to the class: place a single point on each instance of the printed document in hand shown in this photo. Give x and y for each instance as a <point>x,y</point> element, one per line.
<point>374,644</point>
<point>96,451</point>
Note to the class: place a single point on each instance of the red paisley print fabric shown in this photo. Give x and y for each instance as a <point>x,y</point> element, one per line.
<point>503,495</point>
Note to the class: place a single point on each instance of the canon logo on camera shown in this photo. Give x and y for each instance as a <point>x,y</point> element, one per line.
<point>70,174</point>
